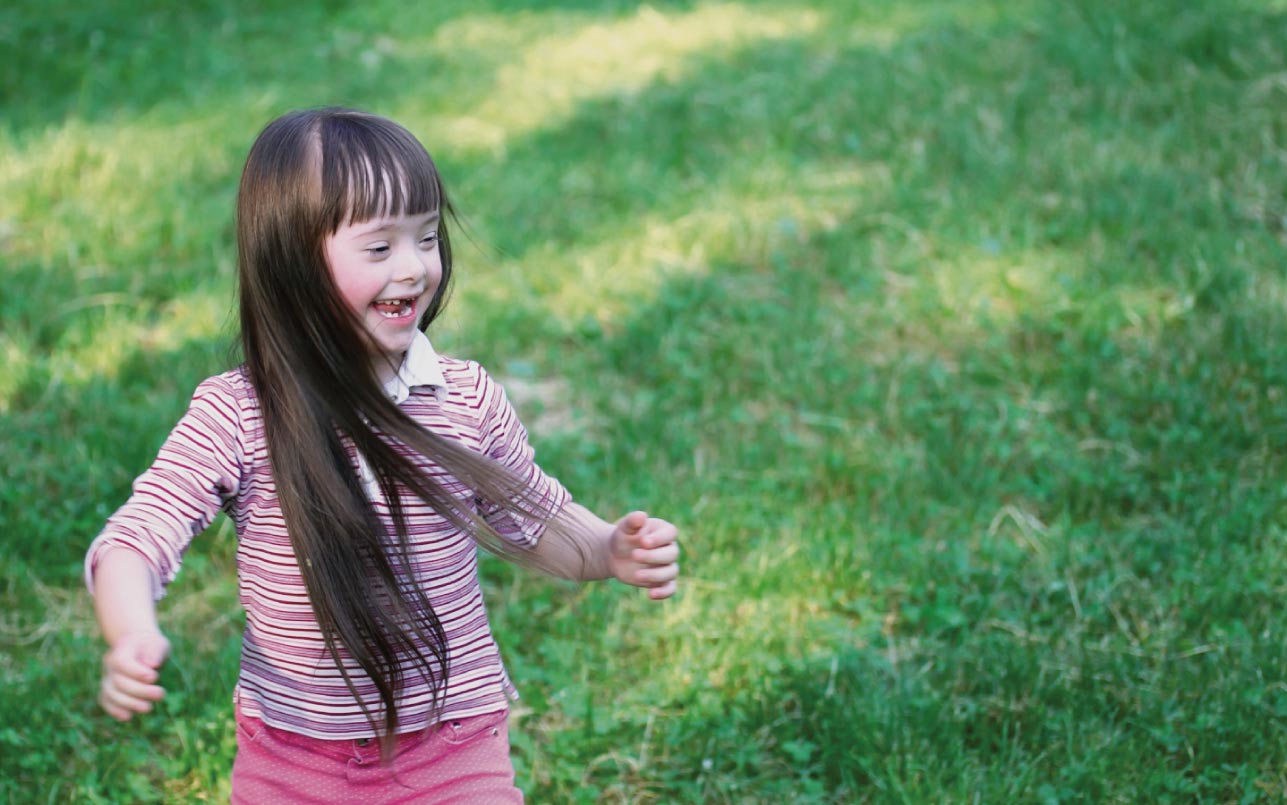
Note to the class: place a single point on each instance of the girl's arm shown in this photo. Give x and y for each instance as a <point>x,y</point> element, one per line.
<point>196,472</point>
<point>123,585</point>
<point>637,550</point>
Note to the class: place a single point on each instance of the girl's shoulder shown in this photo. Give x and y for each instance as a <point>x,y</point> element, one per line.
<point>465,377</point>
<point>223,414</point>
<point>231,393</point>
<point>233,384</point>
<point>470,384</point>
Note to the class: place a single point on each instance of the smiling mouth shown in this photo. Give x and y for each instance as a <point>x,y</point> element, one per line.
<point>394,308</point>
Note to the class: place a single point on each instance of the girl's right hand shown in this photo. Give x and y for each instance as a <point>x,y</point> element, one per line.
<point>130,671</point>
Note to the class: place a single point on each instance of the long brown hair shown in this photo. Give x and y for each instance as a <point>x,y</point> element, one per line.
<point>307,174</point>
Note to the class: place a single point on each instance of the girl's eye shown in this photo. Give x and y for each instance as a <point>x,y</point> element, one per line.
<point>429,239</point>
<point>378,251</point>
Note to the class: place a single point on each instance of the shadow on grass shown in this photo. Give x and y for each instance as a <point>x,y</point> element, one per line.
<point>95,61</point>
<point>71,450</point>
<point>1043,566</point>
<point>787,105</point>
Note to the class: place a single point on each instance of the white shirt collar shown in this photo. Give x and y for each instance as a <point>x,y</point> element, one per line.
<point>420,367</point>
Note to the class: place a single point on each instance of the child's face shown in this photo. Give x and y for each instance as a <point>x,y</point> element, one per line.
<point>387,270</point>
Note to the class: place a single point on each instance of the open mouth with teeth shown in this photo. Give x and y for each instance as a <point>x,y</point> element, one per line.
<point>394,308</point>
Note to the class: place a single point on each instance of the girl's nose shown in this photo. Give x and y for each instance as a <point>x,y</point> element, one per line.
<point>410,266</point>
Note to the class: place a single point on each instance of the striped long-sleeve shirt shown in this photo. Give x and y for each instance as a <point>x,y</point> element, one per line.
<point>216,458</point>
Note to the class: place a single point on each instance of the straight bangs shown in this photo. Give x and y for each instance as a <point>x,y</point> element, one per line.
<point>374,168</point>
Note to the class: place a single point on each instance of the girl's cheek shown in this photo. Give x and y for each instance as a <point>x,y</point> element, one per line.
<point>355,292</point>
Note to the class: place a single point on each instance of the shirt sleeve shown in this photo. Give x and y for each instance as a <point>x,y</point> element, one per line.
<point>504,439</point>
<point>195,474</point>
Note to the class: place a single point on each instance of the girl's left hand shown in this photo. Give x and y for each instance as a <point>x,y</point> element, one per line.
<point>645,553</point>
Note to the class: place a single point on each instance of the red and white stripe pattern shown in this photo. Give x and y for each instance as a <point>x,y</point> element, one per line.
<point>216,458</point>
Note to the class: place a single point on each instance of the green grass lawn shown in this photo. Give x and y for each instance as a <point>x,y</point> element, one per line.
<point>953,334</point>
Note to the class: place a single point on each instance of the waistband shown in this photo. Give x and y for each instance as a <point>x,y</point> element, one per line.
<point>364,750</point>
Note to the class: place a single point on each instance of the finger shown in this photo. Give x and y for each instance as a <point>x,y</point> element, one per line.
<point>657,533</point>
<point>124,705</point>
<point>118,713</point>
<point>633,523</point>
<point>658,556</point>
<point>117,702</point>
<point>127,665</point>
<point>664,591</point>
<point>656,576</point>
<point>135,689</point>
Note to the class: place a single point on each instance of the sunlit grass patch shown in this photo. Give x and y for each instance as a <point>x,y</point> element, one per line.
<point>98,193</point>
<point>17,357</point>
<point>741,220</point>
<point>546,78</point>
<point>118,335</point>
<point>985,289</point>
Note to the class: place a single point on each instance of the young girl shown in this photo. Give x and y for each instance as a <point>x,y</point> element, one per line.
<point>361,470</point>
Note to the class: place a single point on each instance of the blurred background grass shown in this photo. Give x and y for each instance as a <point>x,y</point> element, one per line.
<point>951,333</point>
